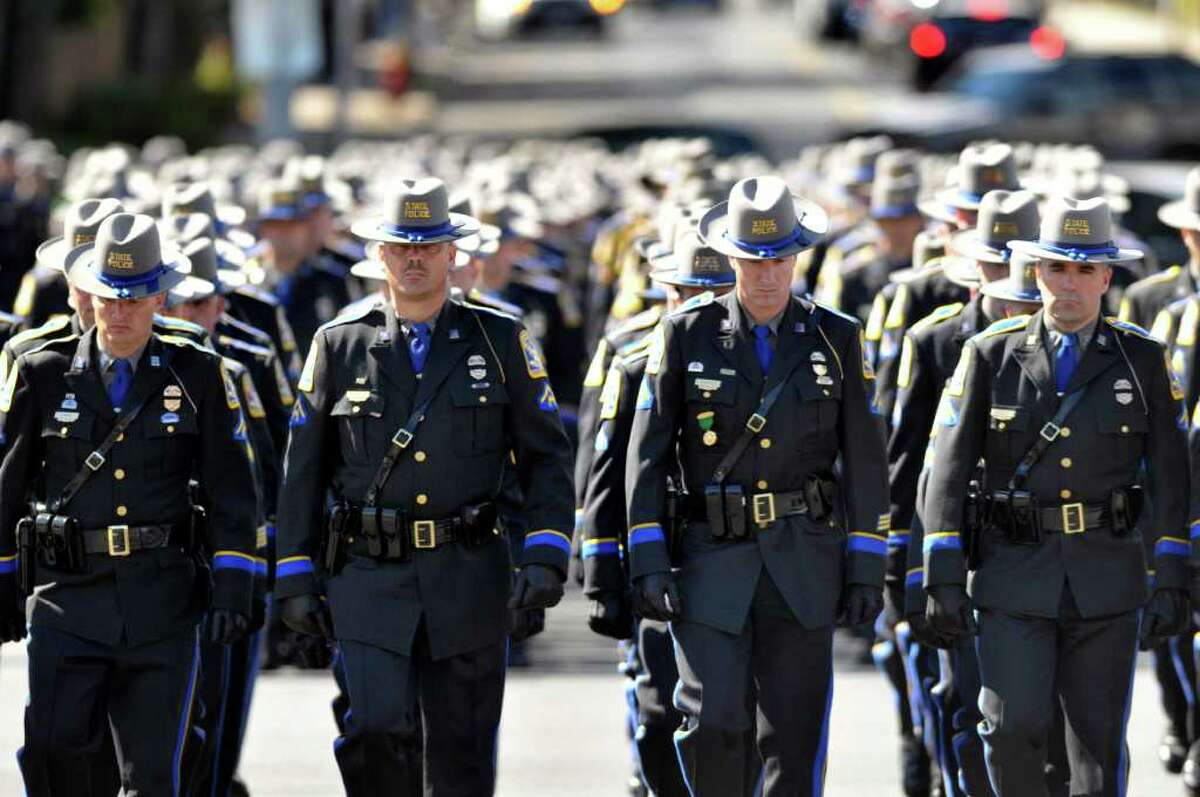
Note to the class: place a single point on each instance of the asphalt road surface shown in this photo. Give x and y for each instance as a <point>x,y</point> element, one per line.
<point>561,733</point>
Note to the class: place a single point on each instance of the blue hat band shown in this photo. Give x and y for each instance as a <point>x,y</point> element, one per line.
<point>1080,252</point>
<point>419,234</point>
<point>771,249</point>
<point>894,211</point>
<point>124,285</point>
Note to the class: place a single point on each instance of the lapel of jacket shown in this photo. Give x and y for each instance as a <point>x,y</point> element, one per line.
<point>454,328</point>
<point>735,341</point>
<point>390,352</point>
<point>150,372</point>
<point>83,378</point>
<point>1100,355</point>
<point>1029,350</point>
<point>794,342</point>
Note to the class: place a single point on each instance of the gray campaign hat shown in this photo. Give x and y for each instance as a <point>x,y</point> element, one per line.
<point>1003,216</point>
<point>184,198</point>
<point>128,260</point>
<point>762,220</point>
<point>981,168</point>
<point>894,196</point>
<point>416,212</point>
<point>1021,283</point>
<point>1079,230</point>
<point>1184,214</point>
<point>185,228</point>
<point>80,226</point>
<point>215,264</point>
<point>693,264</point>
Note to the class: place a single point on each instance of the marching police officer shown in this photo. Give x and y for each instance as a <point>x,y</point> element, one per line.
<point>1062,406</point>
<point>408,413</point>
<point>103,431</point>
<point>759,392</point>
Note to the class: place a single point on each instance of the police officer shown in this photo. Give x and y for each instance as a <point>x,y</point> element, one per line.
<point>1062,406</point>
<point>1146,297</point>
<point>408,414</point>
<point>761,392</point>
<point>120,579</point>
<point>688,270</point>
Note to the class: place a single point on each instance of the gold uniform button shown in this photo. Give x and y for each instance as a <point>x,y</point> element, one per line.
<point>483,399</point>
<point>826,392</point>
<point>765,442</point>
<point>356,408</point>
<point>1065,431</point>
<point>1065,462</point>
<point>422,499</point>
<point>63,432</point>
<point>170,429</point>
<point>1064,494</point>
<point>119,474</point>
<point>120,437</point>
<point>419,456</point>
<point>1124,429</point>
<point>122,511</point>
<point>1001,425</point>
<point>707,394</point>
<point>762,485</point>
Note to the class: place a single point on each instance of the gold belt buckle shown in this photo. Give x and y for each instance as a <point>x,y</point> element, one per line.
<point>423,531</point>
<point>763,506</point>
<point>1073,518</point>
<point>118,541</point>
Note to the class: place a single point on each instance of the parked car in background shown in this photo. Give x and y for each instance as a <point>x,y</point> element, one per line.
<point>502,19</point>
<point>925,38</point>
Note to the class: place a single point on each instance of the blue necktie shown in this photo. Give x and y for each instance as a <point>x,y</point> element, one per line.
<point>418,345</point>
<point>118,388</point>
<point>762,346</point>
<point>1065,360</point>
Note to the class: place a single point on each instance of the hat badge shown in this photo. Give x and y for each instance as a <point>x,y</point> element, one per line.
<point>416,209</point>
<point>1076,227</point>
<point>764,226</point>
<point>120,261</point>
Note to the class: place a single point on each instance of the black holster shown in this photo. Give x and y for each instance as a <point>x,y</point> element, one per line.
<point>26,556</point>
<point>820,494</point>
<point>1124,508</point>
<point>197,529</point>
<point>674,515</point>
<point>976,512</point>
<point>333,555</point>
<point>479,521</point>
<point>59,542</point>
<point>1015,514</point>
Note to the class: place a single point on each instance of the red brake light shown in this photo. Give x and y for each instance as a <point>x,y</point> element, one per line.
<point>927,40</point>
<point>1047,43</point>
<point>987,10</point>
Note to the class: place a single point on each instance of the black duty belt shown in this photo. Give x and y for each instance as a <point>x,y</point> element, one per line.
<point>124,540</point>
<point>1073,518</point>
<point>761,508</point>
<point>419,534</point>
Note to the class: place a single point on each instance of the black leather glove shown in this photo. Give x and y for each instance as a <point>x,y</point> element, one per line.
<point>525,623</point>
<point>1166,615</point>
<point>226,626</point>
<point>656,597</point>
<point>923,634</point>
<point>12,612</point>
<point>611,616</point>
<point>537,587</point>
<point>306,614</point>
<point>861,603</point>
<point>948,611</point>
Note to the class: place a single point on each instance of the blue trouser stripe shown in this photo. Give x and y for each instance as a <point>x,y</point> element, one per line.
<point>823,748</point>
<point>185,711</point>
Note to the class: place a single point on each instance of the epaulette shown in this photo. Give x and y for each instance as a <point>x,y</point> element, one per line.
<point>261,352</point>
<point>352,313</point>
<point>1166,275</point>
<point>595,373</point>
<point>11,319</point>
<point>477,308</point>
<point>1005,325</point>
<point>1186,333</point>
<point>643,320</point>
<point>476,297</point>
<point>263,337</point>
<point>855,238</point>
<point>875,319</point>
<point>182,342</point>
<point>45,344</point>
<point>838,313</point>
<point>943,313</point>
<point>538,282</point>
<point>1130,328</point>
<point>860,258</point>
<point>178,324</point>
<point>54,324</point>
<point>897,314</point>
<point>695,303</point>
<point>636,347</point>
<point>254,292</point>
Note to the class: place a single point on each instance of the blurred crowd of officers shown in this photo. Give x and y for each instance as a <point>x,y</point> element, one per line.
<point>371,411</point>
